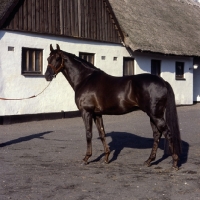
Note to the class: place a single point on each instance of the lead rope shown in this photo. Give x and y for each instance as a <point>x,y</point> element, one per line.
<point>28,97</point>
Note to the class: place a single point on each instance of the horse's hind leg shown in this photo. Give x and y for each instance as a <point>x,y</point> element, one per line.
<point>99,123</point>
<point>156,135</point>
<point>163,128</point>
<point>87,118</point>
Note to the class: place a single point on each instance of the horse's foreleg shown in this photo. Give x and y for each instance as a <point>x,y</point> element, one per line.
<point>99,123</point>
<point>87,118</point>
<point>156,136</point>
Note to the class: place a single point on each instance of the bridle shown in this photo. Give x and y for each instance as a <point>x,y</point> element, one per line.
<point>56,70</point>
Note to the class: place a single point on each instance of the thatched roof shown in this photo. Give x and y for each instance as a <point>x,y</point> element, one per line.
<point>6,7</point>
<point>163,26</point>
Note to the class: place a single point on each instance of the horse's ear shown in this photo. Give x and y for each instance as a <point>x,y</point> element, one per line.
<point>58,47</point>
<point>51,47</point>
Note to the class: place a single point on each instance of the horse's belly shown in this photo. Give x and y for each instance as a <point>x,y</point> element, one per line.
<point>116,108</point>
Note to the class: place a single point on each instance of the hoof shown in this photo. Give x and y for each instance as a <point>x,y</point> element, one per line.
<point>84,162</point>
<point>106,162</point>
<point>175,168</point>
<point>103,161</point>
<point>147,164</point>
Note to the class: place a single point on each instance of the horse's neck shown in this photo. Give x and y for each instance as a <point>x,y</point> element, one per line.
<point>76,73</point>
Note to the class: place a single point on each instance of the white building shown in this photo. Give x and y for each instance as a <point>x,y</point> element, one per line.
<point>123,38</point>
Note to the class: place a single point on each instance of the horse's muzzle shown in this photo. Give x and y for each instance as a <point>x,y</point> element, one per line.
<point>48,76</point>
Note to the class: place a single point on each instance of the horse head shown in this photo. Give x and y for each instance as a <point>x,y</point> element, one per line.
<point>55,63</point>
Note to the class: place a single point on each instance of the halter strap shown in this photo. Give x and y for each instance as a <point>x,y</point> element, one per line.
<point>59,68</point>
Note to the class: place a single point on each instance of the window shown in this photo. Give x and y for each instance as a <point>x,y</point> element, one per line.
<point>32,61</point>
<point>128,66</point>
<point>179,70</point>
<point>10,48</point>
<point>87,56</point>
<point>155,67</point>
<point>103,57</point>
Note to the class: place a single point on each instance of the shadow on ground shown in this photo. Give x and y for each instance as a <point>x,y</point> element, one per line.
<point>121,140</point>
<point>25,139</point>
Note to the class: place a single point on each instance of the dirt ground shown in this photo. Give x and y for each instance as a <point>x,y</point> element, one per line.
<point>42,160</point>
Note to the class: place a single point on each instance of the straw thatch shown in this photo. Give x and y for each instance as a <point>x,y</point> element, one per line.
<point>162,26</point>
<point>6,7</point>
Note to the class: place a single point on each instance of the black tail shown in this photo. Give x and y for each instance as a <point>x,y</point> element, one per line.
<point>172,120</point>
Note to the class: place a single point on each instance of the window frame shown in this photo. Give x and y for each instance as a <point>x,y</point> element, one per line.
<point>32,61</point>
<point>179,74</point>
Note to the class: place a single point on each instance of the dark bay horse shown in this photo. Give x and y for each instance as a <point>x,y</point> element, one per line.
<point>97,93</point>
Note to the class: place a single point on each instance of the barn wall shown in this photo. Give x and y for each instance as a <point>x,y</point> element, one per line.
<point>183,89</point>
<point>88,19</point>
<point>59,95</point>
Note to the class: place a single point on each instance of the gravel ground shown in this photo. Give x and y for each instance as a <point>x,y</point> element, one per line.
<point>42,160</point>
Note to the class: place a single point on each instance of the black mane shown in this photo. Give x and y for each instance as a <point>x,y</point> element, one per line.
<point>82,61</point>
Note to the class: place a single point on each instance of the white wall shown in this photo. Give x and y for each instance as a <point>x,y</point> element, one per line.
<point>183,89</point>
<point>59,96</point>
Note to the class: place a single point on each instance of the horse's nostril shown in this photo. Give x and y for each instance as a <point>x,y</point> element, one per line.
<point>49,78</point>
